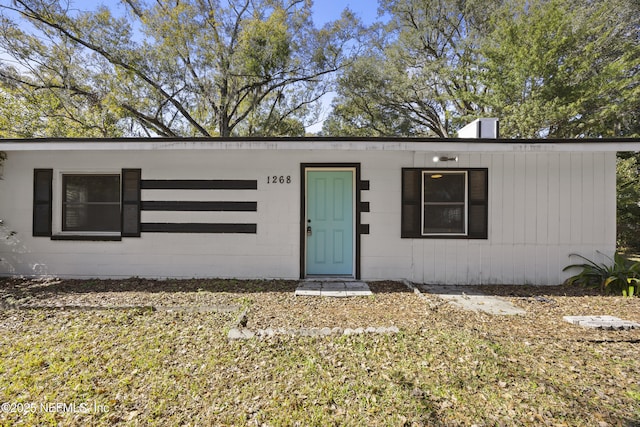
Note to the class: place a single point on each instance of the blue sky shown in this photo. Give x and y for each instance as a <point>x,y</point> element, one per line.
<point>328,10</point>
<point>323,10</point>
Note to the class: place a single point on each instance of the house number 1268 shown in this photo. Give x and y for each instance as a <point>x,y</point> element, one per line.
<point>279,179</point>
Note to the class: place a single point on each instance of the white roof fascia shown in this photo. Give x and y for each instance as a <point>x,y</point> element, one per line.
<point>452,146</point>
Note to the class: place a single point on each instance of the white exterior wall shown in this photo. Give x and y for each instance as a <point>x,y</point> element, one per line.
<point>542,207</point>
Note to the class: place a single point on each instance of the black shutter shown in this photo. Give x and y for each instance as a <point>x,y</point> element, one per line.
<point>42,201</point>
<point>411,203</point>
<point>131,202</point>
<point>478,203</point>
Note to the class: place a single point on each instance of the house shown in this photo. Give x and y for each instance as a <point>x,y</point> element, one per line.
<point>451,211</point>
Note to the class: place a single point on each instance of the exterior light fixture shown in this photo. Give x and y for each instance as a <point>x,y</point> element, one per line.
<point>436,176</point>
<point>437,159</point>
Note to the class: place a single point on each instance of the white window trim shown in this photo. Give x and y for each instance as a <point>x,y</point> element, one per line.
<point>57,201</point>
<point>465,220</point>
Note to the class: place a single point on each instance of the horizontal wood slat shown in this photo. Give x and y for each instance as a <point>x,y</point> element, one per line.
<point>156,227</point>
<point>199,184</point>
<point>87,237</point>
<point>199,206</point>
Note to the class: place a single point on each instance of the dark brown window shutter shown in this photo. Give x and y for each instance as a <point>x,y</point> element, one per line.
<point>478,203</point>
<point>131,202</point>
<point>411,203</point>
<point>42,201</point>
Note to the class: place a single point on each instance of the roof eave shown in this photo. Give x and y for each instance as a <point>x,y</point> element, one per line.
<point>325,143</point>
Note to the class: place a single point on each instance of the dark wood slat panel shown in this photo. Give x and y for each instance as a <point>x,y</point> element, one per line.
<point>199,184</point>
<point>199,206</point>
<point>86,237</point>
<point>156,227</point>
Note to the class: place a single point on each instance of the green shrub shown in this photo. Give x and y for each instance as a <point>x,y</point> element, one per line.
<point>620,276</point>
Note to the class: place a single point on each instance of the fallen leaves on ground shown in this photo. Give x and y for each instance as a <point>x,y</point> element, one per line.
<point>139,366</point>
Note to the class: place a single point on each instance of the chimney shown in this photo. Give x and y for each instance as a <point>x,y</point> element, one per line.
<point>481,129</point>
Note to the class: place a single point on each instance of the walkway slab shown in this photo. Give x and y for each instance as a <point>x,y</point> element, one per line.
<point>468,298</point>
<point>333,288</point>
<point>309,289</point>
<point>602,322</point>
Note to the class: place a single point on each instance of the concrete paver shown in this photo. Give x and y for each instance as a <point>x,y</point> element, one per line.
<point>602,322</point>
<point>468,298</point>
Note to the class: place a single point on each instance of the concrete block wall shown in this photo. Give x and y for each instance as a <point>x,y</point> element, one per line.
<point>542,207</point>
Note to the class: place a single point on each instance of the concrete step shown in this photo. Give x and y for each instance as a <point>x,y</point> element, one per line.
<point>333,288</point>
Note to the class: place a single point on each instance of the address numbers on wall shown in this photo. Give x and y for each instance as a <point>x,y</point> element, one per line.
<point>279,179</point>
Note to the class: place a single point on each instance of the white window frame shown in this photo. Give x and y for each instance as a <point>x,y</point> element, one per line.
<point>57,217</point>
<point>465,210</point>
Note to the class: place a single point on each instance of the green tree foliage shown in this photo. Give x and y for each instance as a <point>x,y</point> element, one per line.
<point>419,77</point>
<point>554,68</point>
<point>177,68</point>
<point>564,69</point>
<point>367,103</point>
<point>26,113</point>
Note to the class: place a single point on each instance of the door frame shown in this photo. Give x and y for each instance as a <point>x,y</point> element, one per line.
<point>355,167</point>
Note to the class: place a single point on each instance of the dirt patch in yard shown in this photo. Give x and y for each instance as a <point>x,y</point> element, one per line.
<point>272,304</point>
<point>63,341</point>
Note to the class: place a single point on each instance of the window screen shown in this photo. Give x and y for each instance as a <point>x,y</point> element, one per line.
<point>451,203</point>
<point>91,203</point>
<point>444,202</point>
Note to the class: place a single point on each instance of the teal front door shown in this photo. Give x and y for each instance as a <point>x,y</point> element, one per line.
<point>329,222</point>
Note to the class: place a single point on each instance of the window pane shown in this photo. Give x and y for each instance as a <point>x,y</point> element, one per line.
<point>92,218</point>
<point>443,219</point>
<point>444,187</point>
<point>91,188</point>
<point>91,203</point>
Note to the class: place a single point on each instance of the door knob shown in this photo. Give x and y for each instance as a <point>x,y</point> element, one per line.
<point>309,231</point>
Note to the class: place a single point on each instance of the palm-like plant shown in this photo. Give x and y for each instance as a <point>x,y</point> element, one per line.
<point>619,276</point>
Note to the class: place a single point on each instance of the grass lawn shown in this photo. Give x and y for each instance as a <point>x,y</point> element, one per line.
<point>137,366</point>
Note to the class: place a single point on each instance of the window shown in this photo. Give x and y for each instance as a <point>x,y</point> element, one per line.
<point>91,203</point>
<point>444,199</point>
<point>86,206</point>
<point>449,203</point>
